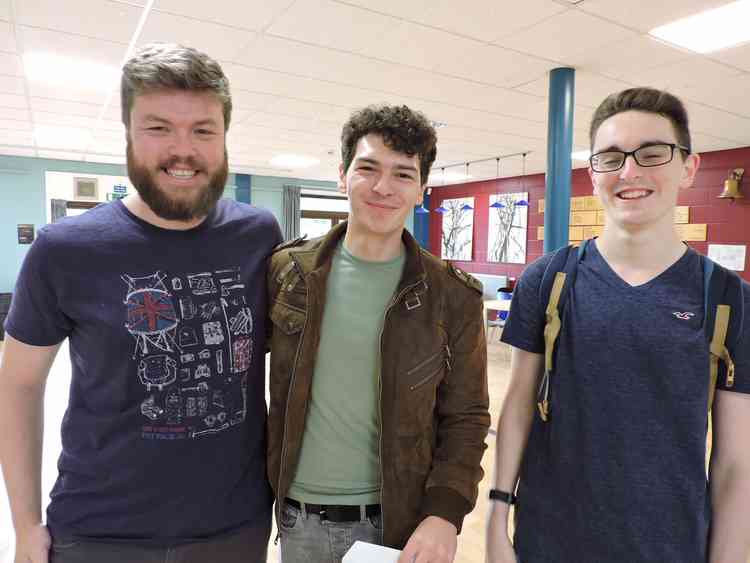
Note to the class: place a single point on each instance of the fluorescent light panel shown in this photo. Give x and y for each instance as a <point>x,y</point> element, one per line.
<point>78,74</point>
<point>711,30</point>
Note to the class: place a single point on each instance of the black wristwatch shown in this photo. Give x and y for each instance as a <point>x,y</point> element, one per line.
<point>503,496</point>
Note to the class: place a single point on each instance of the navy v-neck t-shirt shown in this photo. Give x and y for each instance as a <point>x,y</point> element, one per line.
<point>618,472</point>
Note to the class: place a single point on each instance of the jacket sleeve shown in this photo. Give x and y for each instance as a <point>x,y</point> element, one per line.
<point>462,412</point>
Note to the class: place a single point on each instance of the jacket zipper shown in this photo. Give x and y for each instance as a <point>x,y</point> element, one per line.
<point>447,351</point>
<point>280,500</point>
<point>392,304</point>
<point>420,365</point>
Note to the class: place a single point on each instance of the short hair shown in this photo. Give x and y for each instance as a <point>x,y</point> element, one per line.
<point>167,66</point>
<point>403,130</point>
<point>647,100</point>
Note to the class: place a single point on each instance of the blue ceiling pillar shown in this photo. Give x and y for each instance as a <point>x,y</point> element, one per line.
<point>559,165</point>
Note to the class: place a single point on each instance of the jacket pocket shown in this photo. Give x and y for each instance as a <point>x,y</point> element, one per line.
<point>418,393</point>
<point>288,318</point>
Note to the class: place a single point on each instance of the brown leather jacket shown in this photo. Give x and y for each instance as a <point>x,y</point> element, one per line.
<point>433,384</point>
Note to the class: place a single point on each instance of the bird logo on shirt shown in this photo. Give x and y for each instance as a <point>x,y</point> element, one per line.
<point>686,316</point>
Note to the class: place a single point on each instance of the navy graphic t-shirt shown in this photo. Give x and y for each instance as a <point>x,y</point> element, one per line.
<point>164,435</point>
<point>618,472</point>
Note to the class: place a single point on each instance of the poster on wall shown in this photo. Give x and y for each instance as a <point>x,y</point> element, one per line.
<point>507,228</point>
<point>731,256</point>
<point>458,228</point>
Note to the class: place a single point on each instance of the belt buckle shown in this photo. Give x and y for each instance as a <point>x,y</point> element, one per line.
<point>323,514</point>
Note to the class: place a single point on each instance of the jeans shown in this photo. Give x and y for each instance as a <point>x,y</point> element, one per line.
<point>307,539</point>
<point>248,545</point>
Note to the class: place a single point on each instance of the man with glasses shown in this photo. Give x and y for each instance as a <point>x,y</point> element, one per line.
<point>615,470</point>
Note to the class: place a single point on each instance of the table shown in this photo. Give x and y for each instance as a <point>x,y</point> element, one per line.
<point>494,305</point>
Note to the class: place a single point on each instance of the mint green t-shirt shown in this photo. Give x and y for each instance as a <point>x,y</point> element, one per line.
<point>340,460</point>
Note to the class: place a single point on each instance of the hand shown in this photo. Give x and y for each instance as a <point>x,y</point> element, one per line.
<point>33,544</point>
<point>499,547</point>
<point>434,541</point>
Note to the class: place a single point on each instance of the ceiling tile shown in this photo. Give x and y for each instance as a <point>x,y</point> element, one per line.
<point>704,143</point>
<point>218,41</point>
<point>5,10</point>
<point>113,21</point>
<point>331,24</point>
<point>10,64</point>
<point>16,124</point>
<point>69,93</point>
<point>60,155</point>
<point>645,15</point>
<point>430,45</point>
<point>64,107</point>
<point>728,95</point>
<point>15,114</point>
<point>551,39</point>
<point>737,56</point>
<point>246,14</point>
<point>302,108</point>
<point>633,55</point>
<point>695,70</point>
<point>493,65</point>
<point>62,119</point>
<point>717,123</point>
<point>13,101</point>
<point>105,158</point>
<point>485,20</point>
<point>12,85</point>
<point>7,40</point>
<point>17,151</point>
<point>246,99</point>
<point>64,44</point>
<point>15,137</point>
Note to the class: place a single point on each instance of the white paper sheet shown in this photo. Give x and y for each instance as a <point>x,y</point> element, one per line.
<point>363,552</point>
<point>730,256</point>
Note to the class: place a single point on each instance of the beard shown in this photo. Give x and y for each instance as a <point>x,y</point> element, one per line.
<point>173,209</point>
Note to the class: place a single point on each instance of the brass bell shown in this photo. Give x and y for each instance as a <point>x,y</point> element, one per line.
<point>732,185</point>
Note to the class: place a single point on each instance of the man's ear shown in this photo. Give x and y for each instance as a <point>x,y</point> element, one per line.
<point>689,170</point>
<point>420,197</point>
<point>341,184</point>
<point>593,181</point>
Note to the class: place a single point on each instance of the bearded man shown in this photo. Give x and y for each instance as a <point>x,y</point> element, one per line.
<point>162,297</point>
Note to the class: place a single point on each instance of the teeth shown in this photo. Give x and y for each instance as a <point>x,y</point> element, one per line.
<point>633,194</point>
<point>181,173</point>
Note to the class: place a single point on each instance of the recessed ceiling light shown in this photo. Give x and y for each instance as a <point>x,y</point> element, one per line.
<point>581,155</point>
<point>710,30</point>
<point>69,138</point>
<point>294,161</point>
<point>438,124</point>
<point>52,69</point>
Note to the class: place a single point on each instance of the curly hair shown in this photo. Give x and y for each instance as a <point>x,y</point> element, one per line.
<point>169,66</point>
<point>647,100</point>
<point>402,129</point>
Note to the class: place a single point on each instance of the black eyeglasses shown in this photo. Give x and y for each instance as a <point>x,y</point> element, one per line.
<point>655,154</point>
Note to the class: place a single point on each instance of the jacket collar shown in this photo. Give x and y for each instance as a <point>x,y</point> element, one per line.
<point>319,256</point>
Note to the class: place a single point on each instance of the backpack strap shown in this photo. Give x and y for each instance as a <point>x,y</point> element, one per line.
<point>558,277</point>
<point>724,312</point>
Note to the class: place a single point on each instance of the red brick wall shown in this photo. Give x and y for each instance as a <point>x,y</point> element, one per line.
<point>728,222</point>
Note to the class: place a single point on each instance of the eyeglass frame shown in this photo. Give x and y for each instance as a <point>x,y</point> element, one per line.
<point>626,154</point>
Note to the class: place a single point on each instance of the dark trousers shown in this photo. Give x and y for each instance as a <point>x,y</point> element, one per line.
<point>248,545</point>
